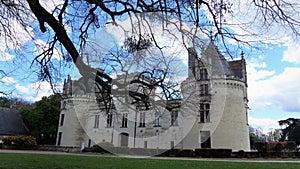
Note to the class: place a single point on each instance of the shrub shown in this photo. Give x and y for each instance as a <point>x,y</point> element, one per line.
<point>241,154</point>
<point>221,153</point>
<point>278,147</point>
<point>203,152</point>
<point>291,145</point>
<point>261,148</point>
<point>297,154</point>
<point>20,142</point>
<point>174,152</point>
<point>215,153</point>
<point>186,153</point>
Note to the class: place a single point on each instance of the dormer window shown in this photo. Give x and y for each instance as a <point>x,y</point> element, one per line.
<point>203,74</point>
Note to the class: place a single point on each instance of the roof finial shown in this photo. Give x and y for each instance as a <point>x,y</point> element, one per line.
<point>210,36</point>
<point>242,54</point>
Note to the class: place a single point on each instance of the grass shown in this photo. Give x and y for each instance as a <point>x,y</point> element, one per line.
<point>30,161</point>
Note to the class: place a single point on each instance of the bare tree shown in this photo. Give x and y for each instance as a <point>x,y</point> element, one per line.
<point>70,23</point>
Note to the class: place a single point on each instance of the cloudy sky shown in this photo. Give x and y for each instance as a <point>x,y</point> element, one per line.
<point>273,75</point>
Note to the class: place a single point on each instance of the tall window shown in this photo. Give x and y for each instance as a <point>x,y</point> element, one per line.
<point>109,120</point>
<point>64,105</point>
<point>204,115</point>
<point>174,117</point>
<point>96,123</point>
<point>203,74</point>
<point>205,139</point>
<point>142,119</point>
<point>124,119</point>
<point>157,119</point>
<point>204,89</point>
<point>62,118</point>
<point>59,138</point>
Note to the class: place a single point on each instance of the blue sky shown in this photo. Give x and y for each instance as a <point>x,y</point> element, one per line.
<point>273,74</point>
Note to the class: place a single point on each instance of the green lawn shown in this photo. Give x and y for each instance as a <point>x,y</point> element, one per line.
<point>25,161</point>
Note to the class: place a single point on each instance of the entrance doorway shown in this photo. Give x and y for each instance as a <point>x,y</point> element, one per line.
<point>124,139</point>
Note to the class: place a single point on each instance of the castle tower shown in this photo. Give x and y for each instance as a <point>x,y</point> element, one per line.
<point>220,95</point>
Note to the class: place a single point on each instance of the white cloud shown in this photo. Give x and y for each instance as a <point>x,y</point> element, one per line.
<point>264,123</point>
<point>7,80</point>
<point>255,69</point>
<point>280,90</point>
<point>18,36</point>
<point>5,56</point>
<point>34,91</point>
<point>50,5</point>
<point>292,54</point>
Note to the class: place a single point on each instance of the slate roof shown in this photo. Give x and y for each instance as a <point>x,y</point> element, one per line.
<point>220,66</point>
<point>11,122</point>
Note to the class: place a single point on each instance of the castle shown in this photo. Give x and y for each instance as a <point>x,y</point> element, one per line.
<point>211,114</point>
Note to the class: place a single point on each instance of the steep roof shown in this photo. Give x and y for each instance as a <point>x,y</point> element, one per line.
<point>11,122</point>
<point>216,60</point>
<point>237,68</point>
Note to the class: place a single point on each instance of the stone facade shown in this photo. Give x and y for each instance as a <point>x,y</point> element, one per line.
<point>211,114</point>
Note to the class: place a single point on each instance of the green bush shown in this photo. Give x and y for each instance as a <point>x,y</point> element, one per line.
<point>19,140</point>
<point>261,148</point>
<point>291,146</point>
<point>241,154</point>
<point>186,153</point>
<point>211,152</point>
<point>203,152</point>
<point>297,154</point>
<point>278,148</point>
<point>173,152</point>
<point>221,153</point>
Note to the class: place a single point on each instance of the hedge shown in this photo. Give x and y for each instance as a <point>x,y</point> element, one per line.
<point>19,142</point>
<point>214,153</point>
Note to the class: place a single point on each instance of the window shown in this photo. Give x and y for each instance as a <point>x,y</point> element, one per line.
<point>89,143</point>
<point>109,120</point>
<point>145,144</point>
<point>64,105</point>
<point>203,89</point>
<point>205,139</point>
<point>157,120</point>
<point>142,119</point>
<point>96,123</point>
<point>124,119</point>
<point>59,138</point>
<point>172,145</point>
<point>203,74</point>
<point>62,118</point>
<point>204,115</point>
<point>174,116</point>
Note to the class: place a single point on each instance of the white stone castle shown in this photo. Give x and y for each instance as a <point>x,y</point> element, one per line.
<point>211,114</point>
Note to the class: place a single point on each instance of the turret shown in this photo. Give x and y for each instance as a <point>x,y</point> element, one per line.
<point>192,59</point>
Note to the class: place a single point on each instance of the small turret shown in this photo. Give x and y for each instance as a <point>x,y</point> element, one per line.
<point>67,89</point>
<point>192,58</point>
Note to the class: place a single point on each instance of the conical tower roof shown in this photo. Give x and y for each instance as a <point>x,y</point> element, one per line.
<point>216,61</point>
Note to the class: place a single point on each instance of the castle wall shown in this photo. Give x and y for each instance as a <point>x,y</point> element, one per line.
<point>232,130</point>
